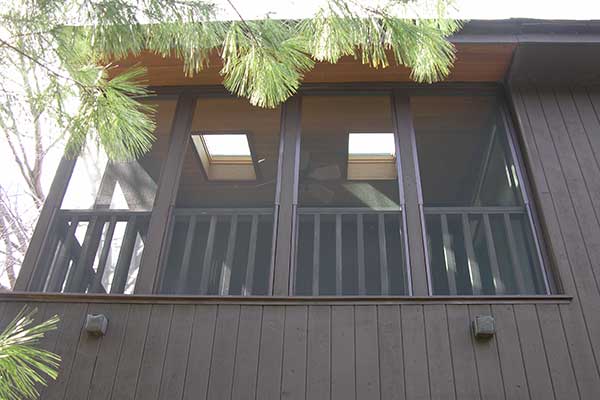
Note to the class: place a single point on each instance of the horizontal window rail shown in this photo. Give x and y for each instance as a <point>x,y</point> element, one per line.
<point>350,252</point>
<point>482,251</point>
<point>93,251</point>
<point>219,251</point>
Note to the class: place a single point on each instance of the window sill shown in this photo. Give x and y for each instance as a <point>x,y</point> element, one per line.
<point>281,300</point>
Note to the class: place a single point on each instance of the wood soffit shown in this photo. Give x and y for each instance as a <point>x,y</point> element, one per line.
<point>475,62</point>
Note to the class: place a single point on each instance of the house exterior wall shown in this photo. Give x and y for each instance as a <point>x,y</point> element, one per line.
<point>544,348</point>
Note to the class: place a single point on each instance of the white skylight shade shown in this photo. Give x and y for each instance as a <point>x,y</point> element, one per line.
<point>371,144</point>
<point>227,145</point>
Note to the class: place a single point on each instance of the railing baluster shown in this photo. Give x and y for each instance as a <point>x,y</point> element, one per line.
<point>471,260</point>
<point>84,266</point>
<point>513,255</point>
<point>316,254</point>
<point>338,254</point>
<point>210,242</point>
<point>62,261</point>
<point>385,280</point>
<point>489,238</point>
<point>225,279</point>
<point>449,258</point>
<point>187,254</point>
<point>360,244</point>
<point>251,256</point>
<point>125,254</point>
<point>97,284</point>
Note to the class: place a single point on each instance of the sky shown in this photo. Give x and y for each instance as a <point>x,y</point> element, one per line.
<point>466,9</point>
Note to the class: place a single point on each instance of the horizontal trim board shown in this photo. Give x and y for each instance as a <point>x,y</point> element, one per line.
<point>280,300</point>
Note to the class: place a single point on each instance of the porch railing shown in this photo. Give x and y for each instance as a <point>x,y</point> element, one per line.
<point>481,250</point>
<point>219,251</point>
<point>95,251</point>
<point>350,251</point>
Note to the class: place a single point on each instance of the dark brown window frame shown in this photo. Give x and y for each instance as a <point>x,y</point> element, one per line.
<point>286,196</point>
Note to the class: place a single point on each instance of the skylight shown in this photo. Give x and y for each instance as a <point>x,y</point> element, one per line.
<point>227,147</point>
<point>376,145</point>
<point>225,156</point>
<point>371,156</point>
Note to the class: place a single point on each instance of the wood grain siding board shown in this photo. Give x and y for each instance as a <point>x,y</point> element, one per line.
<point>85,359</point>
<point>466,381</point>
<point>534,355</point>
<point>343,363</point>
<point>66,346</point>
<point>223,354</point>
<point>318,358</point>
<point>367,353</point>
<point>509,350</point>
<point>128,367</point>
<point>176,358</point>
<point>148,383</point>
<point>441,373</point>
<point>108,355</point>
<point>271,353</point>
<point>246,357</point>
<point>547,181</point>
<point>488,361</point>
<point>391,353</point>
<point>559,359</point>
<point>567,246</point>
<point>293,381</point>
<point>416,369</point>
<point>574,178</point>
<point>200,354</point>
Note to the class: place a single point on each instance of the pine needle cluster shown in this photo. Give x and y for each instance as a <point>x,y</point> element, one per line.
<point>263,60</point>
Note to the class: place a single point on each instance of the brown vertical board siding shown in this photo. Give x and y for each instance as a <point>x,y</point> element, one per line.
<point>293,380</point>
<point>318,358</point>
<point>128,367</point>
<point>488,362</point>
<point>509,350</point>
<point>441,374</point>
<point>534,355</point>
<point>85,358</point>
<point>108,354</point>
<point>566,243</point>
<point>268,385</point>
<point>343,373</point>
<point>201,345</point>
<point>148,382</point>
<point>72,319</point>
<point>466,382</point>
<point>223,354</point>
<point>246,356</point>
<point>557,352</point>
<point>416,370</point>
<point>367,352</point>
<point>176,358</point>
<point>391,354</point>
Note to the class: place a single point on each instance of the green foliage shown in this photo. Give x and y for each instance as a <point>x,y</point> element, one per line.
<point>264,60</point>
<point>22,364</point>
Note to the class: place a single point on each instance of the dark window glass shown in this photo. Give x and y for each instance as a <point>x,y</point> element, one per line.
<point>350,237</point>
<point>479,238</point>
<point>221,238</point>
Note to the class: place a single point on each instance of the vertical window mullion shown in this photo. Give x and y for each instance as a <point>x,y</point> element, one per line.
<point>408,172</point>
<point>286,198</point>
